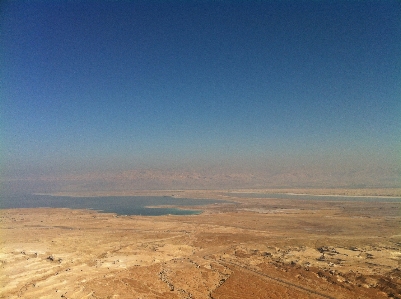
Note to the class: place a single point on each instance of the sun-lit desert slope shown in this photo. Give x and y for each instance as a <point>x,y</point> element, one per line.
<point>253,248</point>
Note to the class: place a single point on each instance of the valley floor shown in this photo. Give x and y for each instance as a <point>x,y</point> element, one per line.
<point>253,248</point>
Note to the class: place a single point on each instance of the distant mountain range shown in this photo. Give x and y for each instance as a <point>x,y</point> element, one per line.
<point>157,179</point>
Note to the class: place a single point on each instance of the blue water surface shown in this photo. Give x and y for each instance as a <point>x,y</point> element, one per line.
<point>121,205</point>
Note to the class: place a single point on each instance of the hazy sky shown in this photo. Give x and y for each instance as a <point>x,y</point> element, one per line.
<point>101,85</point>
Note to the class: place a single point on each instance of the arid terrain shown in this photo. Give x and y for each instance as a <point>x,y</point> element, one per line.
<point>252,248</point>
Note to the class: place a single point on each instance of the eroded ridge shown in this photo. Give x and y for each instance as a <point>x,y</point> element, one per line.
<point>256,248</point>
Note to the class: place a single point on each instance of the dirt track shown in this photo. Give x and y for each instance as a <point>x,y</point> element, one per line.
<point>256,248</point>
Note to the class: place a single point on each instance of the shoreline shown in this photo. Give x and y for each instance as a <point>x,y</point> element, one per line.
<point>328,195</point>
<point>222,193</point>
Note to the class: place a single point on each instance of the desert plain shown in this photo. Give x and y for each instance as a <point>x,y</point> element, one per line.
<point>252,247</point>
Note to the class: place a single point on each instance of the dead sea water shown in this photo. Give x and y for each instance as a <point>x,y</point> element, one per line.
<point>121,205</point>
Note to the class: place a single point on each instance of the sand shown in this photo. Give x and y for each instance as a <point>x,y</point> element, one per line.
<point>256,248</point>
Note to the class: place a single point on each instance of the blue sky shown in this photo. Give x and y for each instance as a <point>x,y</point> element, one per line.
<point>100,85</point>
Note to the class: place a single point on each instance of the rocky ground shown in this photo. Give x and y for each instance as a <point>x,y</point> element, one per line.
<point>255,248</point>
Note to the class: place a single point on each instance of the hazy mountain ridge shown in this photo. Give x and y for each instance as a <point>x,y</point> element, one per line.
<point>205,179</point>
